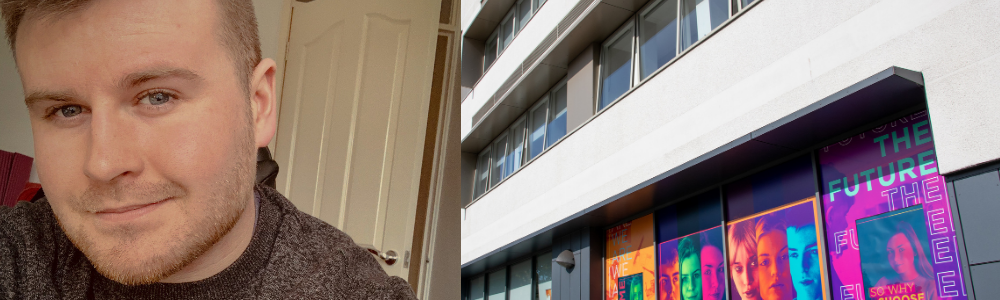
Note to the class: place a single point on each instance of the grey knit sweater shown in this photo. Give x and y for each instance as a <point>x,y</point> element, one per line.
<point>292,256</point>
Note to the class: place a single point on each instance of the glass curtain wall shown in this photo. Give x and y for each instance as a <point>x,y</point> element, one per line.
<point>477,288</point>
<point>616,77</point>
<point>657,36</point>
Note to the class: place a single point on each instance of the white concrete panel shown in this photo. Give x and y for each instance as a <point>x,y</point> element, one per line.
<point>470,8</point>
<point>780,57</point>
<point>540,25</point>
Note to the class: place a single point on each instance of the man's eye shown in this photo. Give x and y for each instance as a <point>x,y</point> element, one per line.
<point>69,111</point>
<point>794,255</point>
<point>156,98</point>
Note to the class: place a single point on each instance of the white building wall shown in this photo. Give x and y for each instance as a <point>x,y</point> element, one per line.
<point>779,57</point>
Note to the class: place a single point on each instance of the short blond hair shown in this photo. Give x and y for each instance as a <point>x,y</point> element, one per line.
<point>238,25</point>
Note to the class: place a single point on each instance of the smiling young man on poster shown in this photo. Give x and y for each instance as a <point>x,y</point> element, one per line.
<point>146,116</point>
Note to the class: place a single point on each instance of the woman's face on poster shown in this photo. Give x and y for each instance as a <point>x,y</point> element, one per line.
<point>772,266</point>
<point>901,256</point>
<point>743,266</point>
<point>712,272</point>
<point>691,278</point>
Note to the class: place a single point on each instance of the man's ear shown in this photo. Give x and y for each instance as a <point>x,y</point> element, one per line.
<point>263,102</point>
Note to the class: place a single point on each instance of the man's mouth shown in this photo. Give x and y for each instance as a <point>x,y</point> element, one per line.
<point>806,282</point>
<point>129,212</point>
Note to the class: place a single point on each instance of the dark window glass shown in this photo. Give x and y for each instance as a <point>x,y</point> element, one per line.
<point>695,214</point>
<point>779,185</point>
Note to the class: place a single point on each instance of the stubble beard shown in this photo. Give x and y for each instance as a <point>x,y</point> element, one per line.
<point>127,261</point>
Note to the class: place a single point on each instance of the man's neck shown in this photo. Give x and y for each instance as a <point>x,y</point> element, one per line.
<point>224,253</point>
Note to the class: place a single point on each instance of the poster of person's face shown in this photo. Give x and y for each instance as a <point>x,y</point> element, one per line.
<point>631,250</point>
<point>774,256</point>
<point>886,169</point>
<point>692,267</point>
<point>630,287</point>
<point>895,262</point>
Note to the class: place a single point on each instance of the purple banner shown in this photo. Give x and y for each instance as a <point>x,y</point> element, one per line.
<point>888,168</point>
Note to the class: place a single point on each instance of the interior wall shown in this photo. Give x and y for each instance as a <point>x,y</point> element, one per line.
<point>15,127</point>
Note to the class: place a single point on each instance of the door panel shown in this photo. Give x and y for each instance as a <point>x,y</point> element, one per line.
<point>351,129</point>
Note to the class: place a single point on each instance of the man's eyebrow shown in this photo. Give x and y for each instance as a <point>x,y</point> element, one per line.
<point>137,78</point>
<point>37,96</point>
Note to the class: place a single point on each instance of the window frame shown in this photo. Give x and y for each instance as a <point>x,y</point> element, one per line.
<point>534,7</point>
<point>494,38</point>
<point>551,95</point>
<point>620,32</point>
<point>489,164</point>
<point>523,121</point>
<point>645,10</point>
<point>542,102</point>
<point>502,138</point>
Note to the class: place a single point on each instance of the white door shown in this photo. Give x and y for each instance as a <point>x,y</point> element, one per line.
<point>353,116</point>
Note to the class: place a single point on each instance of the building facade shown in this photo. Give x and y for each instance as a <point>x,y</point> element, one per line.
<point>730,149</point>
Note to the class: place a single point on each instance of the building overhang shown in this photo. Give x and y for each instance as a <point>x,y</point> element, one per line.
<point>886,95</point>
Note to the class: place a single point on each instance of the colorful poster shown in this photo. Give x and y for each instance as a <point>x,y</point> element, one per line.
<point>774,255</point>
<point>894,262</point>
<point>630,250</point>
<point>692,267</point>
<point>630,287</point>
<point>888,168</point>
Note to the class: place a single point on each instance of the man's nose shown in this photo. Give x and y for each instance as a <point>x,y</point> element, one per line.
<point>112,146</point>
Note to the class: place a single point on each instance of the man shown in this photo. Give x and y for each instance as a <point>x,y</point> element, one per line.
<point>803,256</point>
<point>146,116</point>
<point>712,266</point>
<point>772,259</point>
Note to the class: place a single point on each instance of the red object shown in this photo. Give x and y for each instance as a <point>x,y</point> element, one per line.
<point>30,189</point>
<point>15,168</point>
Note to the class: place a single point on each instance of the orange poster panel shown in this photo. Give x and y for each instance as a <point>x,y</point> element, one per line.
<point>631,256</point>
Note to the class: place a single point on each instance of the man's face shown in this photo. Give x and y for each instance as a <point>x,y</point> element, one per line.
<point>772,266</point>
<point>712,272</point>
<point>142,132</point>
<point>803,257</point>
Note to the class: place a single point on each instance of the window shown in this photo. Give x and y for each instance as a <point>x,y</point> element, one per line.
<point>616,71</point>
<point>477,288</point>
<point>657,36</point>
<point>482,172</point>
<point>512,23</point>
<point>506,31</point>
<point>499,155</point>
<point>515,150</point>
<point>528,279</point>
<point>497,288</point>
<point>536,128</point>
<point>699,17</point>
<point>520,281</point>
<point>557,117</point>
<point>543,275</point>
<point>491,51</point>
<point>524,12</point>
